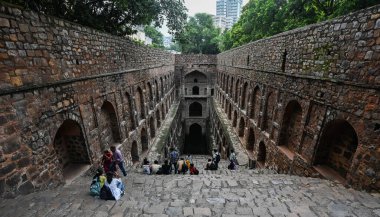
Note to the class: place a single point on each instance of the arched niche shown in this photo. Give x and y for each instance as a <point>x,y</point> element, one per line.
<point>70,148</point>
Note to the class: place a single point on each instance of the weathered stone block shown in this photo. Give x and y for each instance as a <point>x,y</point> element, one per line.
<point>4,22</point>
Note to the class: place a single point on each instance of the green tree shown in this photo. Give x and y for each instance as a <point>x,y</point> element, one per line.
<point>199,35</point>
<point>155,35</point>
<point>114,16</point>
<point>264,18</point>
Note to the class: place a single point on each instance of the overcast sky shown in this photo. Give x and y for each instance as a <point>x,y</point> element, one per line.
<point>199,6</point>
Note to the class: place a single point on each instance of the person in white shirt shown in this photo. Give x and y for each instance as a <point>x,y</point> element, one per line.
<point>154,167</point>
<point>115,185</point>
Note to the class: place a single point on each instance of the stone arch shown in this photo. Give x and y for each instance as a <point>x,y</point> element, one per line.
<point>255,104</point>
<point>250,140</point>
<point>226,88</point>
<point>135,152</point>
<point>268,113</point>
<point>195,109</point>
<point>162,87</point>
<point>244,96</point>
<point>261,154</point>
<point>157,90</point>
<point>241,127</point>
<point>229,111</point>
<point>291,126</point>
<point>144,140</point>
<point>70,147</point>
<point>152,128</point>
<point>195,90</point>
<point>234,120</point>
<point>158,118</point>
<point>195,141</point>
<point>140,102</point>
<point>130,116</point>
<point>195,77</point>
<point>163,115</point>
<point>109,125</point>
<point>231,87</point>
<point>337,146</point>
<point>237,90</point>
<point>150,95</point>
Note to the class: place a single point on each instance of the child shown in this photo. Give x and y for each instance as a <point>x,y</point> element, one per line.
<point>97,182</point>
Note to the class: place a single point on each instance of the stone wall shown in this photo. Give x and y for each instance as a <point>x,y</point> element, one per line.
<point>302,89</point>
<point>55,73</point>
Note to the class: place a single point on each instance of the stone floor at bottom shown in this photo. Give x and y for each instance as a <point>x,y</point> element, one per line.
<point>212,193</point>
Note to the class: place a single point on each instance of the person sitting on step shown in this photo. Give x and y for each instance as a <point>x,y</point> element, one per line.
<point>154,167</point>
<point>193,170</point>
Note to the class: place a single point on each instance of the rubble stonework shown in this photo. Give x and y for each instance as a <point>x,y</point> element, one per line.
<point>67,92</point>
<point>309,99</point>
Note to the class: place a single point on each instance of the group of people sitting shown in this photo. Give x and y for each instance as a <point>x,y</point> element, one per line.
<point>107,187</point>
<point>107,183</point>
<point>181,165</point>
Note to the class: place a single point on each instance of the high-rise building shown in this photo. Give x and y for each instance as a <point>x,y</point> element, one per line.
<point>230,10</point>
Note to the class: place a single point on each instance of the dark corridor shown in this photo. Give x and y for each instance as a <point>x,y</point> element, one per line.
<point>195,141</point>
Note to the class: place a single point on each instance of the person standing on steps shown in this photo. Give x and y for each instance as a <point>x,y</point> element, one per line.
<point>174,156</point>
<point>118,159</point>
<point>233,158</point>
<point>216,158</point>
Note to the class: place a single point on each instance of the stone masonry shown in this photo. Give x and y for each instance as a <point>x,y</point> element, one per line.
<point>304,102</point>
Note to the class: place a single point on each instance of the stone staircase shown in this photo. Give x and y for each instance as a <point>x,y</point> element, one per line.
<point>224,193</point>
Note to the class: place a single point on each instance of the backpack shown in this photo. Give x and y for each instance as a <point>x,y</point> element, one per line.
<point>146,169</point>
<point>106,194</point>
<point>95,187</point>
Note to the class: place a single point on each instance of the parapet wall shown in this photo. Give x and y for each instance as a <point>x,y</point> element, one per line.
<point>306,101</point>
<point>37,50</point>
<point>346,49</point>
<point>68,92</point>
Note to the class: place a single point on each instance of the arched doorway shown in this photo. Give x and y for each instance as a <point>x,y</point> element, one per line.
<point>130,115</point>
<point>195,90</point>
<point>251,140</point>
<point>291,126</point>
<point>337,146</point>
<point>195,141</point>
<point>268,113</point>
<point>255,104</point>
<point>241,127</point>
<point>135,152</point>
<point>144,140</point>
<point>262,154</point>
<point>109,126</point>
<point>157,91</point>
<point>234,121</point>
<point>152,128</point>
<point>150,95</point>
<point>140,103</point>
<point>244,95</point>
<point>195,109</point>
<point>71,150</point>
<point>158,118</point>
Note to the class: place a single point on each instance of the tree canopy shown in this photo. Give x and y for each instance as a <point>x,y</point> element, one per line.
<point>114,16</point>
<point>264,18</point>
<point>156,36</point>
<point>199,35</point>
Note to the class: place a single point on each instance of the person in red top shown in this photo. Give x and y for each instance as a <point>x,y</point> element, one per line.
<point>107,161</point>
<point>193,170</point>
